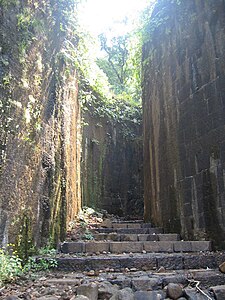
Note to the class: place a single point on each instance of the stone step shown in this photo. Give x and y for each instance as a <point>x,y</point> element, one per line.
<point>149,261</point>
<point>124,225</point>
<point>135,247</point>
<point>156,230</point>
<point>136,237</point>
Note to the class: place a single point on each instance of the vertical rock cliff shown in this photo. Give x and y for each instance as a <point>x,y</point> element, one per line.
<point>184,124</point>
<point>112,156</point>
<point>39,123</point>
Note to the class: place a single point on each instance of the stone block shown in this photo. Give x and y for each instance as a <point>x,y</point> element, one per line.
<point>149,295</point>
<point>199,261</point>
<point>119,225</point>
<point>133,231</point>
<point>73,247</point>
<point>146,225</point>
<point>150,246</point>
<point>128,237</point>
<point>100,236</point>
<point>169,237</point>
<point>147,237</point>
<point>170,262</point>
<point>174,290</point>
<point>182,246</point>
<point>89,290</point>
<point>63,281</point>
<point>178,278</point>
<point>102,263</point>
<point>222,267</point>
<point>114,237</point>
<point>201,246</point>
<point>94,247</point>
<point>120,247</point>
<point>193,294</point>
<point>208,277</point>
<point>219,292</point>
<point>148,262</point>
<point>156,230</point>
<point>145,283</point>
<point>133,225</point>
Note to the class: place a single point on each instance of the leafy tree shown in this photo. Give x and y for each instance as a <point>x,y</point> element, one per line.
<point>115,63</point>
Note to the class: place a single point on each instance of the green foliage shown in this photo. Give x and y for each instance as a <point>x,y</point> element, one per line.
<point>10,265</point>
<point>7,3</point>
<point>28,25</point>
<point>39,264</point>
<point>87,235</point>
<point>122,63</point>
<point>115,64</point>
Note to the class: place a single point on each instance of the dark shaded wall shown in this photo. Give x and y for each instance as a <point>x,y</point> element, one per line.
<point>112,166</point>
<point>39,124</point>
<point>184,124</point>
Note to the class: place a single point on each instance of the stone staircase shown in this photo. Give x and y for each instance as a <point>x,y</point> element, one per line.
<point>134,261</point>
<point>136,245</point>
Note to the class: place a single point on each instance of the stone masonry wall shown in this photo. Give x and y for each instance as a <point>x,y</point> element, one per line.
<point>112,166</point>
<point>184,124</point>
<point>39,124</point>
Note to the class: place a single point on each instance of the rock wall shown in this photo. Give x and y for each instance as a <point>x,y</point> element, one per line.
<point>39,124</point>
<point>112,165</point>
<point>184,124</point>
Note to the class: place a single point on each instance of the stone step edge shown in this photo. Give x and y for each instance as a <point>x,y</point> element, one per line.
<point>145,262</point>
<point>137,237</point>
<point>135,247</point>
<point>152,230</point>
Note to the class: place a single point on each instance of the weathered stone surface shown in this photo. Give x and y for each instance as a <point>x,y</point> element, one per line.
<point>193,294</point>
<point>200,261</point>
<point>119,225</point>
<point>80,297</point>
<point>88,290</point>
<point>158,246</point>
<point>169,237</point>
<point>146,225</point>
<point>107,223</point>
<point>112,179</point>
<point>174,290</point>
<point>106,290</point>
<point>73,247</point>
<point>170,262</point>
<point>145,283</point>
<point>12,298</point>
<point>148,237</point>
<point>183,108</point>
<point>219,292</point>
<point>152,295</point>
<point>94,247</point>
<point>134,225</point>
<point>201,246</point>
<point>124,294</point>
<point>63,281</point>
<point>120,247</point>
<point>183,246</point>
<point>180,279</point>
<point>208,277</point>
<point>222,267</point>
<point>38,184</point>
<point>128,237</point>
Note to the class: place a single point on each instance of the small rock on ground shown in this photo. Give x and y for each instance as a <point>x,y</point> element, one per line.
<point>88,290</point>
<point>222,267</point>
<point>174,291</point>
